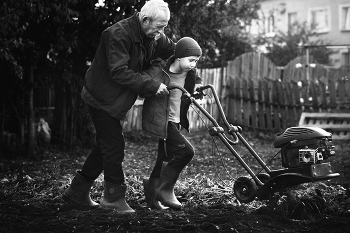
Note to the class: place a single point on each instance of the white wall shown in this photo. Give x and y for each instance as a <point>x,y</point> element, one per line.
<point>281,9</point>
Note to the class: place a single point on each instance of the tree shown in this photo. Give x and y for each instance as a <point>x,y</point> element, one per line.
<point>218,26</point>
<point>43,33</point>
<point>55,40</point>
<point>284,47</point>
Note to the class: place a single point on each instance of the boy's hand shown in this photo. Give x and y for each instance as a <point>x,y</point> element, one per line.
<point>197,94</point>
<point>162,90</point>
<point>196,86</point>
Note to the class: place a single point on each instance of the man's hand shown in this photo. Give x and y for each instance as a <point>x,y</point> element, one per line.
<point>162,90</point>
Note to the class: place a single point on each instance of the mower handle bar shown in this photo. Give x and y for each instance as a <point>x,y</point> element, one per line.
<point>235,131</point>
<point>232,130</point>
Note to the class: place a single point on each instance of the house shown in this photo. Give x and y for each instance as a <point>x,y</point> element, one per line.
<point>329,19</point>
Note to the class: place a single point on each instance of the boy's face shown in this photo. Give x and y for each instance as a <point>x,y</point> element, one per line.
<point>188,63</point>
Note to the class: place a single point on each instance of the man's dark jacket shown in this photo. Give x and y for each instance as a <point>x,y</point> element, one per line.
<point>114,78</point>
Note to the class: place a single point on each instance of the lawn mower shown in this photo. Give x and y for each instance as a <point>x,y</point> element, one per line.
<point>303,152</point>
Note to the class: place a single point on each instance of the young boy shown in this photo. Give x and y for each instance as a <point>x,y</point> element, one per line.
<point>162,117</point>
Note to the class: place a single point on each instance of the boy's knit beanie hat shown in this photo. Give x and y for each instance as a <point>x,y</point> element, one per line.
<point>186,47</point>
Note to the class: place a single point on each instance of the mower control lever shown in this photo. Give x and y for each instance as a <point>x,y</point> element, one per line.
<point>235,129</point>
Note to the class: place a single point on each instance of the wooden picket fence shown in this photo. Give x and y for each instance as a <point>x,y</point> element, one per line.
<point>260,96</point>
<point>275,105</point>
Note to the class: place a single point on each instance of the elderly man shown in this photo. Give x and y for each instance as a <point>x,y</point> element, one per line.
<point>112,84</point>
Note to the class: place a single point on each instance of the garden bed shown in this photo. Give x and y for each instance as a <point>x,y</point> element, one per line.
<point>31,190</point>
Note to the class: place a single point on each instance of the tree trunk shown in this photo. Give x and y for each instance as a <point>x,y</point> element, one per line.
<point>21,127</point>
<point>30,117</point>
<point>63,123</point>
<point>72,115</point>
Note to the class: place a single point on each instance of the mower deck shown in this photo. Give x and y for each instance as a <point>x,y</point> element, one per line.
<point>283,178</point>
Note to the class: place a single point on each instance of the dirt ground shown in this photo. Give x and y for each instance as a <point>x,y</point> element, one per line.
<point>31,190</point>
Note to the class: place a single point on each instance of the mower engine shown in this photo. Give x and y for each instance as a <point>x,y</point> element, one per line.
<point>304,146</point>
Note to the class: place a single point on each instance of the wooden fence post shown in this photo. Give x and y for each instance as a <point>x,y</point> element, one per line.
<point>246,103</point>
<point>281,105</point>
<point>268,104</point>
<point>231,116</point>
<point>261,111</point>
<point>276,113</point>
<point>313,93</point>
<point>238,110</point>
<point>344,95</point>
<point>323,96</point>
<point>253,121</point>
<point>289,105</point>
<point>332,96</point>
<point>296,99</point>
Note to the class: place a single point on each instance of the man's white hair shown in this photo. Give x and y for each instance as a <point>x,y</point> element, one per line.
<point>155,8</point>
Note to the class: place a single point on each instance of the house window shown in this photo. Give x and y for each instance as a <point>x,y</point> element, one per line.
<point>344,17</point>
<point>319,19</point>
<point>270,26</point>
<point>292,18</point>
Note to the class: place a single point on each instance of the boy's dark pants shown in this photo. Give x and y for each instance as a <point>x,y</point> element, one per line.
<point>179,151</point>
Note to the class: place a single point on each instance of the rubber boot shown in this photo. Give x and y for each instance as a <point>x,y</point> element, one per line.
<point>150,186</point>
<point>79,191</point>
<point>114,198</point>
<point>165,191</point>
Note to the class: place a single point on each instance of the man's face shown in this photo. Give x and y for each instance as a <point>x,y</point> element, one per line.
<point>154,28</point>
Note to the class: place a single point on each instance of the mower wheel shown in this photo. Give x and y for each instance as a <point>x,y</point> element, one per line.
<point>245,189</point>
